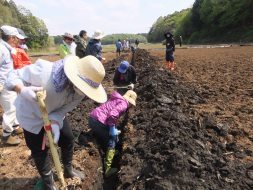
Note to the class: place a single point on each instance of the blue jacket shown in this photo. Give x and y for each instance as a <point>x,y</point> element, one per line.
<point>94,48</point>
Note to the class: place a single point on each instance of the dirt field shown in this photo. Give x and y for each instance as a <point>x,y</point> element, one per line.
<point>191,129</point>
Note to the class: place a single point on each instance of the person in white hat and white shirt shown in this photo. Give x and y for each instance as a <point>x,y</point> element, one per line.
<point>94,46</point>
<point>66,83</point>
<point>9,39</point>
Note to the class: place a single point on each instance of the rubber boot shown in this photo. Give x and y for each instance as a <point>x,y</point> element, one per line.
<point>69,171</point>
<point>169,65</point>
<point>108,162</point>
<point>43,165</point>
<point>172,66</point>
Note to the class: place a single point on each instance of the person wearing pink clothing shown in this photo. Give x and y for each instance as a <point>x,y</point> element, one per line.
<point>103,120</point>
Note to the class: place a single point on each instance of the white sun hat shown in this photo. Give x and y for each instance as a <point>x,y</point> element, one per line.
<point>131,97</point>
<point>98,34</point>
<point>11,31</point>
<point>86,74</point>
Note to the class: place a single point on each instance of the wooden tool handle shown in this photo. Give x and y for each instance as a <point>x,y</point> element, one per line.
<point>53,147</point>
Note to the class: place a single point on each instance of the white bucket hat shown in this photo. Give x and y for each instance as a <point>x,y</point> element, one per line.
<point>11,31</point>
<point>98,34</point>
<point>86,74</point>
<point>131,97</point>
<point>68,35</point>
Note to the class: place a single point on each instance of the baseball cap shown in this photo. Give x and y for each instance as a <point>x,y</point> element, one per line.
<point>123,66</point>
<point>11,31</point>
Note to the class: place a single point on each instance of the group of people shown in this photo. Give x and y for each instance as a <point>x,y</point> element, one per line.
<point>125,45</point>
<point>67,82</point>
<point>80,46</point>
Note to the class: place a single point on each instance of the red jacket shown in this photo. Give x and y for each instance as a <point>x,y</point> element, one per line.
<point>20,58</point>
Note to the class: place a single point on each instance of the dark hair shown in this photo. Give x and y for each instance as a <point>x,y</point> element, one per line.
<point>82,32</point>
<point>4,36</point>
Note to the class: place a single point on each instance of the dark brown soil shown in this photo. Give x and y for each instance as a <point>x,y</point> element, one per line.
<point>191,129</point>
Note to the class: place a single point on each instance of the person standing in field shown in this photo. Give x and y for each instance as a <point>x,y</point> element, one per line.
<point>94,46</point>
<point>19,55</point>
<point>66,46</point>
<point>81,43</point>
<point>66,82</point>
<point>180,40</point>
<point>9,40</point>
<point>118,47</point>
<point>170,49</point>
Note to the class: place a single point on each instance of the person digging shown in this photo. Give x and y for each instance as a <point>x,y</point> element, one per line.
<point>66,83</point>
<point>102,121</point>
<point>170,49</point>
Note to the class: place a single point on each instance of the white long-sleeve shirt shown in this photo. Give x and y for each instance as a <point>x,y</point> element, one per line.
<point>57,104</point>
<point>6,61</point>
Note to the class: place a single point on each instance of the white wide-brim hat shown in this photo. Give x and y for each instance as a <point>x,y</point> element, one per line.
<point>11,31</point>
<point>98,34</point>
<point>86,74</point>
<point>131,97</point>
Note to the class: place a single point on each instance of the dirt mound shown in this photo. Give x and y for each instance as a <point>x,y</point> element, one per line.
<point>168,144</point>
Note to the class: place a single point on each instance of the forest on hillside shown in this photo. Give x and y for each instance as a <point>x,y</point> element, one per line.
<point>208,21</point>
<point>20,17</point>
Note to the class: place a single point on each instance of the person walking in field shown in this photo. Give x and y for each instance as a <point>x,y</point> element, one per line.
<point>94,46</point>
<point>103,121</point>
<point>9,40</point>
<point>66,83</point>
<point>66,48</point>
<point>118,47</point>
<point>81,43</point>
<point>170,49</point>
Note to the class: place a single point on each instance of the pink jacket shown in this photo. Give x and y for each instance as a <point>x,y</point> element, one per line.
<point>110,111</point>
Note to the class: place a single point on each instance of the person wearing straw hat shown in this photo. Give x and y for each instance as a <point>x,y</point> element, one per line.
<point>66,82</point>
<point>103,120</point>
<point>94,46</point>
<point>67,45</point>
<point>9,40</point>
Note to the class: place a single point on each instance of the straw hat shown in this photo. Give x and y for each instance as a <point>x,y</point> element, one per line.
<point>98,34</point>
<point>86,74</point>
<point>131,97</point>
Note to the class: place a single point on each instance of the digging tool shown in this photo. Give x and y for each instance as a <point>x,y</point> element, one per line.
<point>121,87</point>
<point>47,126</point>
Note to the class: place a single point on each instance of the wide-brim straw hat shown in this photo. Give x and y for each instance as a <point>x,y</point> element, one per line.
<point>86,74</point>
<point>98,34</point>
<point>131,97</point>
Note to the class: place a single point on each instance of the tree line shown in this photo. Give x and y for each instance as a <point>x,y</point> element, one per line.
<point>22,18</point>
<point>208,21</point>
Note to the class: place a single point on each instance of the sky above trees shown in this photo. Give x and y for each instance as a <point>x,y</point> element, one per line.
<point>111,16</point>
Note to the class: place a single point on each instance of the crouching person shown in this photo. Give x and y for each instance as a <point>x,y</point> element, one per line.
<point>103,121</point>
<point>66,83</point>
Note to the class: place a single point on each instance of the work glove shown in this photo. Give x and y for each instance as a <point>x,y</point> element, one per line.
<point>28,92</point>
<point>113,131</point>
<point>130,86</point>
<point>56,132</point>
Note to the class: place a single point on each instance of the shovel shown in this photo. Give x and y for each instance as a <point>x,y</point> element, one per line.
<point>53,148</point>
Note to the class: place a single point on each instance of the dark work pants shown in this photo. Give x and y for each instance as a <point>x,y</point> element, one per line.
<point>101,132</point>
<point>34,143</point>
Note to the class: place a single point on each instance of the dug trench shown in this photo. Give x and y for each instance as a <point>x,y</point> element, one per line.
<point>165,143</point>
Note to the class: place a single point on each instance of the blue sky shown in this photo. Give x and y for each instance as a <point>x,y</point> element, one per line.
<point>110,16</point>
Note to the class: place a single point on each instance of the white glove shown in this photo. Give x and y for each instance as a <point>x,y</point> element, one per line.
<point>56,132</point>
<point>28,92</point>
<point>131,86</point>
